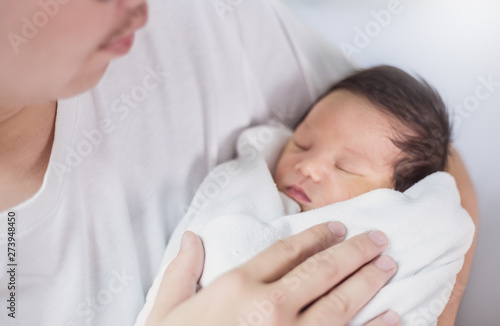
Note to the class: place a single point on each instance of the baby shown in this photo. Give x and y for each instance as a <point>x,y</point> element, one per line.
<point>364,155</point>
<point>378,128</point>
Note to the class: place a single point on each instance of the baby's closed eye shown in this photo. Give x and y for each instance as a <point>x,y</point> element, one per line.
<point>300,146</point>
<point>344,169</point>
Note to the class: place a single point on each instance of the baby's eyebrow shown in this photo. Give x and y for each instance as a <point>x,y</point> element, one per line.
<point>355,153</point>
<point>359,157</point>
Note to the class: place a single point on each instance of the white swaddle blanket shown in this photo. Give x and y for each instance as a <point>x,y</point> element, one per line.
<point>238,212</point>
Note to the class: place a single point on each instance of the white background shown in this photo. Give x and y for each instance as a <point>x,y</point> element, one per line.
<point>452,44</point>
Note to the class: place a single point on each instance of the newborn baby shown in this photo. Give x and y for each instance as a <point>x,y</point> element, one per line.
<point>365,155</point>
<point>379,128</point>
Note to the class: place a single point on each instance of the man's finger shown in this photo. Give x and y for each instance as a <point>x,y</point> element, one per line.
<point>274,262</point>
<point>180,278</point>
<point>389,318</point>
<point>340,305</point>
<point>321,272</point>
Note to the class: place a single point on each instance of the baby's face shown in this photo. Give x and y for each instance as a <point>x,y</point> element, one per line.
<point>341,150</point>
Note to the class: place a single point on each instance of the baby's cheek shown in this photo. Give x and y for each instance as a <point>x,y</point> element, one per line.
<point>365,186</point>
<point>330,195</point>
<point>278,175</point>
<point>343,190</point>
<point>360,187</point>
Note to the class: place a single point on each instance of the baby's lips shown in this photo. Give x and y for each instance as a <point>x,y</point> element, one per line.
<point>298,194</point>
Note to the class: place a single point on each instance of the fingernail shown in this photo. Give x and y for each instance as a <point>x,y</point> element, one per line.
<point>385,263</point>
<point>186,240</point>
<point>337,228</point>
<point>378,237</point>
<point>391,318</point>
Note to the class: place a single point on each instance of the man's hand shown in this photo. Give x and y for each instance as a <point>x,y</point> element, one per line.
<point>301,280</point>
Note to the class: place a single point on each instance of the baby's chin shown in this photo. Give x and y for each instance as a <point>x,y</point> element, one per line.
<point>308,207</point>
<point>304,207</point>
<point>312,205</point>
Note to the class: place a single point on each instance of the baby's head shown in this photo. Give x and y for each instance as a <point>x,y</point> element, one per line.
<point>378,128</point>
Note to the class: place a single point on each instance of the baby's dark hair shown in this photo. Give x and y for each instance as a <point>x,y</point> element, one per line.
<point>418,107</point>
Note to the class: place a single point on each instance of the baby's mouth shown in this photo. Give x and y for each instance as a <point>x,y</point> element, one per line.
<point>297,193</point>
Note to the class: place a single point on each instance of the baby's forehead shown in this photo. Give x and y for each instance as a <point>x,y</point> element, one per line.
<point>375,145</point>
<point>342,106</point>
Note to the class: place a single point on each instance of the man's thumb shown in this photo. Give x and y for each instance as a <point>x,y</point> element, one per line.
<point>181,276</point>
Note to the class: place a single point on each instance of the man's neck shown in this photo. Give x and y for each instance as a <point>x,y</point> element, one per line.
<point>26,137</point>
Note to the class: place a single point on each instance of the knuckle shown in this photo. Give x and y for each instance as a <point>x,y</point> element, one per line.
<point>362,249</point>
<point>372,278</point>
<point>322,238</point>
<point>330,269</point>
<point>320,319</point>
<point>290,249</point>
<point>278,316</point>
<point>339,303</point>
<point>234,282</point>
<point>237,278</point>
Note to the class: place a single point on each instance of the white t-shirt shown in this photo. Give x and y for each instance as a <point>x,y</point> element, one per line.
<point>129,155</point>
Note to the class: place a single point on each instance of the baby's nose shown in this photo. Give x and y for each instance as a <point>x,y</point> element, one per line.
<point>311,168</point>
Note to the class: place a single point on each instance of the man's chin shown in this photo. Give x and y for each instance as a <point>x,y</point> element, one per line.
<point>81,84</point>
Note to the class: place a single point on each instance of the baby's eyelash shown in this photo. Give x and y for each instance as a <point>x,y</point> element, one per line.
<point>343,170</point>
<point>304,148</point>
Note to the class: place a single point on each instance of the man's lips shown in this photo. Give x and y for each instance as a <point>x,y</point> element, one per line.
<point>120,46</point>
<point>297,193</point>
<point>122,43</point>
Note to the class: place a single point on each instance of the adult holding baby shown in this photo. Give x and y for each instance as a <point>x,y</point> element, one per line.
<point>92,186</point>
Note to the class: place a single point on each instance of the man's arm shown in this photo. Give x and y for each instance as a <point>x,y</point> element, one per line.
<point>457,168</point>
